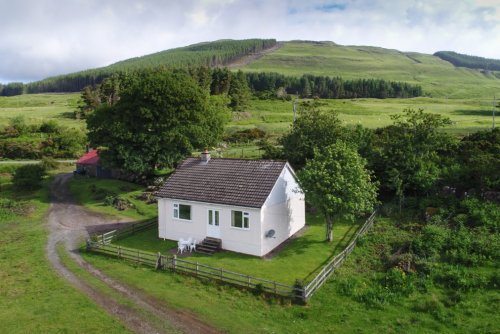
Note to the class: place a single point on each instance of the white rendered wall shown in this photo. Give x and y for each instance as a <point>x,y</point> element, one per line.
<point>283,211</point>
<point>247,241</point>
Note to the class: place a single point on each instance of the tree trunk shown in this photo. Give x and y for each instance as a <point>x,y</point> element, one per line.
<point>329,228</point>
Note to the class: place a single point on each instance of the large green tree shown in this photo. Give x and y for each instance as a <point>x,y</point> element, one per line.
<point>337,183</point>
<point>408,155</point>
<point>159,118</point>
<point>313,129</point>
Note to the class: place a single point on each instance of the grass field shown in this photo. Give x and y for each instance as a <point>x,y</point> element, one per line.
<point>329,311</point>
<point>33,298</point>
<point>81,187</point>
<point>437,77</point>
<point>40,107</point>
<point>298,260</point>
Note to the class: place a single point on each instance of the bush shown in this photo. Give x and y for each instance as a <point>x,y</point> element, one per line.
<point>431,241</point>
<point>9,207</point>
<point>28,177</point>
<point>457,278</point>
<point>246,135</point>
<point>399,282</point>
<point>482,213</point>
<point>49,163</point>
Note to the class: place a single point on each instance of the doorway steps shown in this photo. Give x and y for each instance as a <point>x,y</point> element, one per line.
<point>209,246</point>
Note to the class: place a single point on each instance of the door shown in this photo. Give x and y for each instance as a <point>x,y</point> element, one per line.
<point>213,228</point>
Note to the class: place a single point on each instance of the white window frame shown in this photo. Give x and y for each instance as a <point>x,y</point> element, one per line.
<point>176,212</point>
<point>244,216</point>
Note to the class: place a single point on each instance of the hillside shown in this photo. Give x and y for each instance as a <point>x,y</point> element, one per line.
<point>437,77</point>
<point>211,54</point>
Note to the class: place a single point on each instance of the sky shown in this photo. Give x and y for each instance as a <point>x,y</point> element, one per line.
<point>41,38</point>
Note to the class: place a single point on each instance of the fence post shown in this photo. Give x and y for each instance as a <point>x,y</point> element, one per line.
<point>221,270</point>
<point>197,268</point>
<point>248,280</point>
<point>88,245</point>
<point>174,262</point>
<point>158,262</point>
<point>119,251</point>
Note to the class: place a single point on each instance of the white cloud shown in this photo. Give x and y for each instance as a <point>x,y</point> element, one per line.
<point>48,37</point>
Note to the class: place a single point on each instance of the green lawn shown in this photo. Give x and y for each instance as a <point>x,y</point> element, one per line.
<point>300,259</point>
<point>329,311</point>
<point>82,189</point>
<point>33,298</point>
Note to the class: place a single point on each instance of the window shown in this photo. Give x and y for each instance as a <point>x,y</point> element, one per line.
<point>240,219</point>
<point>213,217</point>
<point>182,211</point>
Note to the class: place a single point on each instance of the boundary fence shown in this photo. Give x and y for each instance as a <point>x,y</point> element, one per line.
<point>102,244</point>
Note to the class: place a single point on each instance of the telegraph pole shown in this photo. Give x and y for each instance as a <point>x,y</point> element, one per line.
<point>295,108</point>
<point>494,107</point>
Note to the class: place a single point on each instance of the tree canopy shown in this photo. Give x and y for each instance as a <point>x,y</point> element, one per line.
<point>159,118</point>
<point>337,183</point>
<point>408,152</point>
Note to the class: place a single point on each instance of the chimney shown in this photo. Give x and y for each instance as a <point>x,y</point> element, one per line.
<point>205,155</point>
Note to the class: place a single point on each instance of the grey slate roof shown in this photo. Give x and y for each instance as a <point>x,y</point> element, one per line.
<point>237,182</point>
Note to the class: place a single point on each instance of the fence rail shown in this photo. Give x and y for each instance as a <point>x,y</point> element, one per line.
<point>108,237</point>
<point>102,244</point>
<point>336,262</point>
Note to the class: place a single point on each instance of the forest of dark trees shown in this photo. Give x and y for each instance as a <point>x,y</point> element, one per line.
<point>331,87</point>
<point>11,89</point>
<point>463,60</point>
<point>209,54</point>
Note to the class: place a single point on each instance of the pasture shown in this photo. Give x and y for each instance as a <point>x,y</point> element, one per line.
<point>33,298</point>
<point>438,78</point>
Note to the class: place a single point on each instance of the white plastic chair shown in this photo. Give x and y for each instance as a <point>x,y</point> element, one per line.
<point>181,246</point>
<point>192,246</point>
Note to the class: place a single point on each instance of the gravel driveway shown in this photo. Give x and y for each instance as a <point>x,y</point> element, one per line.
<point>69,225</point>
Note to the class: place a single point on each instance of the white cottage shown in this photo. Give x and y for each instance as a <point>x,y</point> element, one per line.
<point>251,206</point>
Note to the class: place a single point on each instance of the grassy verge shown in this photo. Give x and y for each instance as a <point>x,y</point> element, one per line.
<point>105,290</point>
<point>92,192</point>
<point>33,298</point>
<point>332,310</point>
<point>299,259</point>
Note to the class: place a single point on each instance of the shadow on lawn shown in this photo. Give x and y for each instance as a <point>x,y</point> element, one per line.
<point>341,244</point>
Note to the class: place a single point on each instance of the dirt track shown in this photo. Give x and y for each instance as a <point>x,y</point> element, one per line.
<point>70,224</point>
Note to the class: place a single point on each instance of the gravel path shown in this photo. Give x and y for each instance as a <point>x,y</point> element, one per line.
<point>70,224</point>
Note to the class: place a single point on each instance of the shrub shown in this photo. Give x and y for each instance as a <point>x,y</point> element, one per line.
<point>246,135</point>
<point>118,203</point>
<point>28,177</point>
<point>399,282</point>
<point>375,296</point>
<point>49,163</point>
<point>457,278</point>
<point>9,207</point>
<point>50,127</point>
<point>482,213</point>
<point>431,240</point>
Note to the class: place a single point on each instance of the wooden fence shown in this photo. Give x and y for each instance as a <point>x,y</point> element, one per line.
<point>337,261</point>
<point>172,263</point>
<point>102,244</point>
<point>121,233</point>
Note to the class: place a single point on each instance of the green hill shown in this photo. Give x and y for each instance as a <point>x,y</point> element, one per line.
<point>211,54</point>
<point>437,77</point>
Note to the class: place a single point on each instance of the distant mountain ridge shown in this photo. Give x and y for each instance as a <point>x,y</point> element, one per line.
<point>463,60</point>
<point>437,76</point>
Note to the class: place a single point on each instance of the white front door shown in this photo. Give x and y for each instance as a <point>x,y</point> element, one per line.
<point>213,228</point>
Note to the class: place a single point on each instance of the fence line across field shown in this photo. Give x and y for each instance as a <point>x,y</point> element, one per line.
<point>102,244</point>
